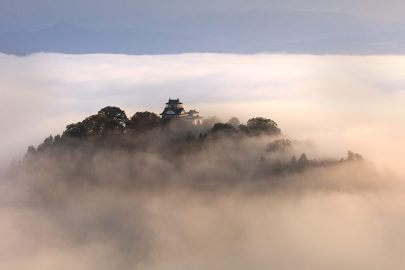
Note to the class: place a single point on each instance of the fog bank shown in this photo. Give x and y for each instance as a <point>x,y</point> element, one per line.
<point>339,102</point>
<point>143,213</point>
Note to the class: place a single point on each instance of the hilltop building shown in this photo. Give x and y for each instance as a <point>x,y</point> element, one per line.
<point>194,118</point>
<point>174,109</point>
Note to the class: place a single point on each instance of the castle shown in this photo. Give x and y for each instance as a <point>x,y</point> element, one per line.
<point>174,109</point>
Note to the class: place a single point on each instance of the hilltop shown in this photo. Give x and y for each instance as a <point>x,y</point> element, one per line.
<point>109,147</point>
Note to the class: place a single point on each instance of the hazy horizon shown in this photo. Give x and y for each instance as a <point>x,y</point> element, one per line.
<point>159,27</point>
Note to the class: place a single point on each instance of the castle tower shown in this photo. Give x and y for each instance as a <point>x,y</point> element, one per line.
<point>174,108</point>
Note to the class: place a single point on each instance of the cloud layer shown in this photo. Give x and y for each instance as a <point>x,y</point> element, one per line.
<point>346,218</point>
<point>342,102</point>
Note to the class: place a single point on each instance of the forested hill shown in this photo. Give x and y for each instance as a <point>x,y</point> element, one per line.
<point>111,128</point>
<point>109,147</point>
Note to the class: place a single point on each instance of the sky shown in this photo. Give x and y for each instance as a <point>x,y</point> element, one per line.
<point>179,26</point>
<point>39,13</point>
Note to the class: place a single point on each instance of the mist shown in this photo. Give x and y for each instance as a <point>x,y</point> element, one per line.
<point>339,102</point>
<point>202,210</point>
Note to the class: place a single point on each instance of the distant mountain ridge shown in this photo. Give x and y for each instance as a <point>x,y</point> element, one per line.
<point>248,32</point>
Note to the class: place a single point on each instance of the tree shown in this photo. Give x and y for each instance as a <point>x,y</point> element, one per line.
<point>234,122</point>
<point>144,120</point>
<point>114,114</point>
<point>259,125</point>
<point>113,118</point>
<point>57,140</point>
<point>76,130</point>
<point>31,150</point>
<point>211,121</point>
<point>354,156</point>
<point>279,145</point>
<point>303,161</point>
<point>108,120</point>
<point>48,142</point>
<point>225,128</point>
<point>293,161</point>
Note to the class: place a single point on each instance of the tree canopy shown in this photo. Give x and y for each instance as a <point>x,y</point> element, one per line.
<point>110,129</point>
<point>260,124</point>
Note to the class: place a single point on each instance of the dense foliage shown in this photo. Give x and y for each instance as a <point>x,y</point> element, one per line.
<point>110,127</point>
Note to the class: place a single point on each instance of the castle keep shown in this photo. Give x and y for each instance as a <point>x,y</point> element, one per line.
<point>174,109</point>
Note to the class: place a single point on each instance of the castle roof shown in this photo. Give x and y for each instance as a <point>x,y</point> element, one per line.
<point>174,101</point>
<point>173,111</point>
<point>174,108</point>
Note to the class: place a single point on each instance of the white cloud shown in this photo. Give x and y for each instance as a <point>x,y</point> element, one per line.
<point>340,102</point>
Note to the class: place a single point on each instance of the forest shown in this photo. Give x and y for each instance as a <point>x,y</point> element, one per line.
<point>145,149</point>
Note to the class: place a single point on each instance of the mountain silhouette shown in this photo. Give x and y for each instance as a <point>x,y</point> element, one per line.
<point>244,32</point>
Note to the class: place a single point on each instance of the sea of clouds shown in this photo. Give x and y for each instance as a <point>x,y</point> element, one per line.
<point>341,102</point>
<point>335,103</point>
